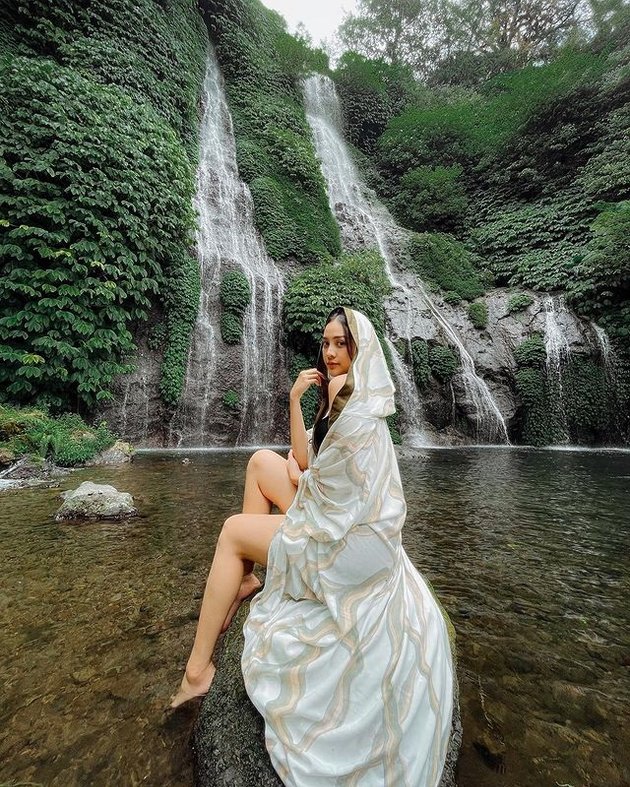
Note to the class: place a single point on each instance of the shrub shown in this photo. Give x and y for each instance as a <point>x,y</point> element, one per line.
<point>231,328</point>
<point>531,352</point>
<point>232,401</point>
<point>519,302</point>
<point>431,198</point>
<point>66,440</point>
<point>235,292</point>
<point>444,262</point>
<point>443,362</point>
<point>478,314</point>
<point>356,280</point>
<point>420,362</point>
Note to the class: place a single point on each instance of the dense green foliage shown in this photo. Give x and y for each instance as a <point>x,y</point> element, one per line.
<point>261,64</point>
<point>478,314</point>
<point>420,362</point>
<point>431,198</point>
<point>372,92</point>
<point>67,440</point>
<point>601,284</point>
<point>538,425</point>
<point>519,302</point>
<point>98,154</point>
<point>443,362</point>
<point>235,294</point>
<point>446,264</point>
<point>357,280</point>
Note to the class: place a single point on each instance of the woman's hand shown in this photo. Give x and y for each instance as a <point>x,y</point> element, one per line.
<point>293,468</point>
<point>303,382</point>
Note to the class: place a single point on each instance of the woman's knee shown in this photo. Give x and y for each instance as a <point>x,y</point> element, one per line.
<point>230,531</point>
<point>261,459</point>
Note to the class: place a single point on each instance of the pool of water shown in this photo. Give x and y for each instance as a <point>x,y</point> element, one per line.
<point>527,549</point>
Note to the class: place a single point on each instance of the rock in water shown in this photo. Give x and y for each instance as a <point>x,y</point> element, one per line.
<point>118,454</point>
<point>96,501</point>
<point>229,735</point>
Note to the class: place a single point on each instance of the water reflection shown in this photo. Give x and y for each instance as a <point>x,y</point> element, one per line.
<point>527,549</point>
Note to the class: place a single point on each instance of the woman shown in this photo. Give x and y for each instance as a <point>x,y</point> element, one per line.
<point>346,653</point>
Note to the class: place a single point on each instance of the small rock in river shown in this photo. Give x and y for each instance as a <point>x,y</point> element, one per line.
<point>96,501</point>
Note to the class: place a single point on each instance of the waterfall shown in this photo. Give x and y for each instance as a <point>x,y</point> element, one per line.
<point>415,433</point>
<point>558,350</point>
<point>227,240</point>
<point>366,223</point>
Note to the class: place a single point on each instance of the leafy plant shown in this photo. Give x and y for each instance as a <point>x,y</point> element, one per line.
<point>478,314</point>
<point>443,362</point>
<point>445,262</point>
<point>232,401</point>
<point>519,302</point>
<point>356,280</point>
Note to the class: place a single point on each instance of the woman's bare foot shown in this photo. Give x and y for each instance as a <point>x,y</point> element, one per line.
<point>192,687</point>
<point>249,585</point>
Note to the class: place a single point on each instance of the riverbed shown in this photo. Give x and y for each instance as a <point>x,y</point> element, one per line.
<point>527,549</point>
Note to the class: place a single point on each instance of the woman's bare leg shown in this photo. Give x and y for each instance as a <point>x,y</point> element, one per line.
<point>245,538</point>
<point>267,483</point>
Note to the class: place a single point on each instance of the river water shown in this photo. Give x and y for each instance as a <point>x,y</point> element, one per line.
<point>528,550</point>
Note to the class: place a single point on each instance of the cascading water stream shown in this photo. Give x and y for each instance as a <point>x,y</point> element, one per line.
<point>366,223</point>
<point>558,349</point>
<point>227,240</point>
<point>415,434</point>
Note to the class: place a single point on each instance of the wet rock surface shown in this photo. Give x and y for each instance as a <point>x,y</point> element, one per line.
<point>95,501</point>
<point>118,454</point>
<point>30,472</point>
<point>228,738</point>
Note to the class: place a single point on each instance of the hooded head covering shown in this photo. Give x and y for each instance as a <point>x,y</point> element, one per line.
<point>368,391</point>
<point>346,653</point>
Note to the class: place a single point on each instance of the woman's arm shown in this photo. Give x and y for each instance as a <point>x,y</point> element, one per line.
<point>334,386</point>
<point>299,443</point>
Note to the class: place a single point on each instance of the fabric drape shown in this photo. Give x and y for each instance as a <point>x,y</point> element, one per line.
<point>346,651</point>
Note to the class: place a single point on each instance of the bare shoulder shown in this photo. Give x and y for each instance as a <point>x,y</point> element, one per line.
<point>335,385</point>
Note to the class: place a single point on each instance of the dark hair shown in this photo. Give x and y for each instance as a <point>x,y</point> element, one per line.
<point>336,314</point>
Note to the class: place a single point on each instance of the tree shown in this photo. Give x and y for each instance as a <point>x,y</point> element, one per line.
<point>400,32</point>
<point>532,28</point>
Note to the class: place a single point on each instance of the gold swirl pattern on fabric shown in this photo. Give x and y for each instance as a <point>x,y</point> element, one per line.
<point>346,651</point>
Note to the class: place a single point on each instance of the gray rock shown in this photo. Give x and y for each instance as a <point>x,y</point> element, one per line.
<point>96,501</point>
<point>118,454</point>
<point>229,735</point>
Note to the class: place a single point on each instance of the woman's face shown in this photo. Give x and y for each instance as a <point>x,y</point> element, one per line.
<point>335,349</point>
